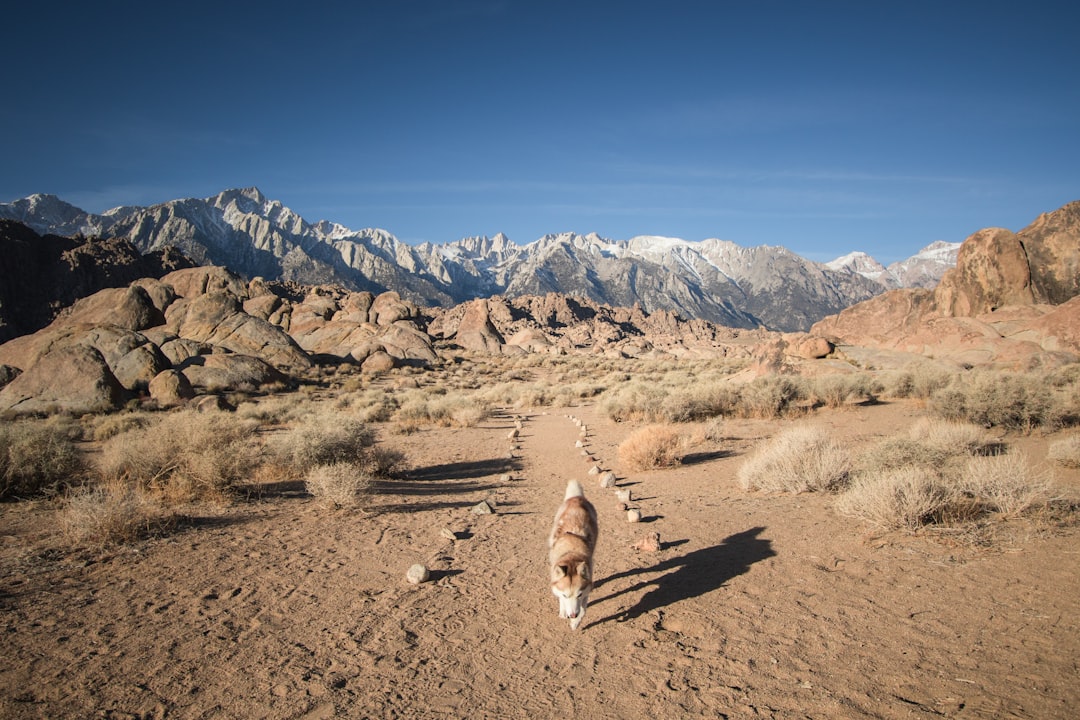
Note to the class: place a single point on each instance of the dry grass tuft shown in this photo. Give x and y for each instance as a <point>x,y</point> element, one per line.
<point>329,439</point>
<point>339,484</point>
<point>651,447</point>
<point>37,458</point>
<point>115,513</point>
<point>800,459</point>
<point>897,498</point>
<point>1006,484</point>
<point>185,456</point>
<point>1066,451</point>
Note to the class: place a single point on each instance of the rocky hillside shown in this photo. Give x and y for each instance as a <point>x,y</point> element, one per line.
<point>257,237</point>
<point>1012,298</point>
<point>41,275</point>
<point>204,331</point>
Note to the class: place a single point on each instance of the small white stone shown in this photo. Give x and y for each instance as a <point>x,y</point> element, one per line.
<point>417,574</point>
<point>633,515</point>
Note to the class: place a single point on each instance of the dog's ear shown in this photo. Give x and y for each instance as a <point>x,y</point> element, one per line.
<point>583,571</point>
<point>559,571</point>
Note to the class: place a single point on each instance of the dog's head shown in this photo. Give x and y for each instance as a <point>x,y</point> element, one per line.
<point>571,581</point>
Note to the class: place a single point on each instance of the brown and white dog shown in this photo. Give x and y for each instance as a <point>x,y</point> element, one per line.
<point>571,546</point>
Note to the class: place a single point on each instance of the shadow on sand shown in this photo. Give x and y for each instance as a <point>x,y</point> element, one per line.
<point>691,575</point>
<point>446,481</point>
<point>461,470</point>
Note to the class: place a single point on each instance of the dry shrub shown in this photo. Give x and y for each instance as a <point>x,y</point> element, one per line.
<point>800,459</point>
<point>768,397</point>
<point>339,484</point>
<point>835,391</point>
<point>37,458</point>
<point>953,438</point>
<point>653,446</point>
<point>935,446</point>
<point>112,425</point>
<point>1006,484</point>
<point>896,498</point>
<point>1007,400</point>
<point>700,402</point>
<point>186,455</point>
<point>1065,451</point>
<point>437,407</point>
<point>634,401</point>
<point>917,380</point>
<point>328,439</point>
<point>117,512</point>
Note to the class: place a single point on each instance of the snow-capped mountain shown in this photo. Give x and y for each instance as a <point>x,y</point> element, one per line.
<point>924,269</point>
<point>712,279</point>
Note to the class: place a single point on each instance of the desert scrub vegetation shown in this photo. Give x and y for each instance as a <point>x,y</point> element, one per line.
<point>943,474</point>
<point>436,406</point>
<point>37,458</point>
<point>112,513</point>
<point>1065,452</point>
<point>835,391</point>
<point>651,447</point>
<point>896,498</point>
<point>338,484</point>
<point>328,439</point>
<point>918,380</point>
<point>185,455</point>
<point>1013,401</point>
<point>913,496</point>
<point>107,426</point>
<point>799,459</point>
<point>701,398</point>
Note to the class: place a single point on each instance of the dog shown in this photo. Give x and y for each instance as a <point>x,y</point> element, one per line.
<point>570,553</point>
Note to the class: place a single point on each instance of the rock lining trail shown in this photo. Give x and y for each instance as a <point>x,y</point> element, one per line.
<point>755,606</point>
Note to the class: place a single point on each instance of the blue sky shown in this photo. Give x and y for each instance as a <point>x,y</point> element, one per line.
<point>822,126</point>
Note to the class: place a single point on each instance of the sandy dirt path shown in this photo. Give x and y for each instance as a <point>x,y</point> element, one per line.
<point>756,606</point>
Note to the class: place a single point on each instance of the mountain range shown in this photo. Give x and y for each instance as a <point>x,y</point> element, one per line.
<point>715,280</point>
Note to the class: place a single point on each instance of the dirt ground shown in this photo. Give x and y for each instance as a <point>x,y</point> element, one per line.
<point>769,606</point>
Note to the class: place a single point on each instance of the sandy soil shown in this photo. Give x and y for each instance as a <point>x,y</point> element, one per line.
<point>756,606</point>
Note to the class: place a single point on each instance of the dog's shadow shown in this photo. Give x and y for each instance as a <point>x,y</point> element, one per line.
<point>690,575</point>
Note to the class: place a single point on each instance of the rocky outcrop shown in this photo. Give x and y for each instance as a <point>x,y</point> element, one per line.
<point>476,332</point>
<point>74,379</point>
<point>217,318</point>
<point>170,388</point>
<point>991,271</point>
<point>41,274</point>
<point>1011,300</point>
<point>229,371</point>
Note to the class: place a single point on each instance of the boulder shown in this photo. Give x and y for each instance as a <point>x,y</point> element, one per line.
<point>229,371</point>
<point>73,379</point>
<point>377,362</point>
<point>170,388</point>
<point>130,308</point>
<point>1053,252</point>
<point>192,282</point>
<point>160,294</point>
<point>810,347</point>
<point>131,357</point>
<point>262,306</point>
<point>388,308</point>
<point>179,350</point>
<point>476,331</point>
<point>217,318</point>
<point>991,271</point>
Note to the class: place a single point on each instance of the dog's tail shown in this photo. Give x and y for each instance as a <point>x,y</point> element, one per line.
<point>573,489</point>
